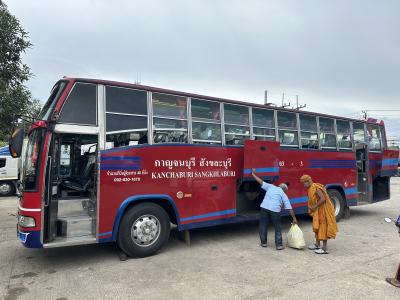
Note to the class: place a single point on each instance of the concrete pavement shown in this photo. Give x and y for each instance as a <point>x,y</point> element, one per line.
<point>223,262</point>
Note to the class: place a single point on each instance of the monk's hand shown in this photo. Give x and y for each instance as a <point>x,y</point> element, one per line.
<point>312,208</point>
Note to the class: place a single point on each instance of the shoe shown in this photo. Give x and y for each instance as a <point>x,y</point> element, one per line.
<point>313,247</point>
<point>263,245</point>
<point>393,281</point>
<point>280,248</point>
<point>321,251</point>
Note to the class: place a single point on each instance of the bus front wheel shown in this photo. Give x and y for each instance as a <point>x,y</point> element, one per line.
<point>338,203</point>
<point>144,230</point>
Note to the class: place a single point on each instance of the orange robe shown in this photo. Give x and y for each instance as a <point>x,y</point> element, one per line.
<point>324,220</point>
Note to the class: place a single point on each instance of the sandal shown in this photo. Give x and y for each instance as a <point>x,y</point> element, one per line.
<point>313,247</point>
<point>393,281</point>
<point>321,251</point>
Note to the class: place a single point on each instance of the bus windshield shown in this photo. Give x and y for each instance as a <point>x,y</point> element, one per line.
<point>51,102</point>
<point>32,159</point>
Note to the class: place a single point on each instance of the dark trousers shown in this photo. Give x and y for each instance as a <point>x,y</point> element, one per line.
<point>267,216</point>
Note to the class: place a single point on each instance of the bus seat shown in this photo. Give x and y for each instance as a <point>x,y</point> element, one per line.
<point>82,182</point>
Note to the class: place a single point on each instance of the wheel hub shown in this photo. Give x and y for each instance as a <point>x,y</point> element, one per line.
<point>5,188</point>
<point>336,205</point>
<point>145,230</point>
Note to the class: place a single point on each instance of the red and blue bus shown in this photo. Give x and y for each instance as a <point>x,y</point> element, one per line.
<point>118,162</point>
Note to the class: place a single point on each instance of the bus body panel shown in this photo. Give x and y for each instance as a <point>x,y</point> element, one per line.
<point>202,180</point>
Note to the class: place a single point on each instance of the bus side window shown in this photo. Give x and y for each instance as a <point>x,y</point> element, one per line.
<point>383,137</point>
<point>374,137</point>
<point>236,122</point>
<point>327,133</point>
<point>81,105</point>
<point>169,118</point>
<point>358,132</point>
<point>206,122</point>
<point>344,134</point>
<point>263,124</point>
<point>309,132</point>
<point>287,128</point>
<point>126,117</point>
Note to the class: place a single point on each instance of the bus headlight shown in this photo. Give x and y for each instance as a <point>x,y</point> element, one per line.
<point>25,221</point>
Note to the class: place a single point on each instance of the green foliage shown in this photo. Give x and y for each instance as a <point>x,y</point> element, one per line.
<point>15,98</point>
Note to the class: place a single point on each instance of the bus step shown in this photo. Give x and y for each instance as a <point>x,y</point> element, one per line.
<point>75,226</point>
<point>72,207</point>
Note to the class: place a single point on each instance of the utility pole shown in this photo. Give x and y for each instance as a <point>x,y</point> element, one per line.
<point>364,112</point>
<point>283,101</point>
<point>297,103</point>
<point>266,99</point>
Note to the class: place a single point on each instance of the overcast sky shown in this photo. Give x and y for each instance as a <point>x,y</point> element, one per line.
<point>340,57</point>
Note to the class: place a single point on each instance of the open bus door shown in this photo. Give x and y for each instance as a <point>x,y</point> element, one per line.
<point>363,174</point>
<point>262,156</point>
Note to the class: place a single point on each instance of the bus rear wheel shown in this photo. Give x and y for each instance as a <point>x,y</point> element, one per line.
<point>338,203</point>
<point>144,230</point>
<point>6,188</point>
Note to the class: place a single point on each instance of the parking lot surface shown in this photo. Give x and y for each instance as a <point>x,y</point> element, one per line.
<point>224,262</point>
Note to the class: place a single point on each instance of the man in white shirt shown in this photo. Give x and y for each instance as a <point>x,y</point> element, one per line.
<point>275,198</point>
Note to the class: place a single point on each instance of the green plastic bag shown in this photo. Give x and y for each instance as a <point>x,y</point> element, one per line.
<point>295,238</point>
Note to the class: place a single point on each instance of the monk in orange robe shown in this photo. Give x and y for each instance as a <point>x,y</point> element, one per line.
<point>322,211</point>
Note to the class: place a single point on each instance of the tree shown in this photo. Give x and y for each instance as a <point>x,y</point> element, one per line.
<point>15,98</point>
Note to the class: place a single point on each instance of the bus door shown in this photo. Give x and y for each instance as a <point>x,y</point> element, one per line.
<point>262,156</point>
<point>71,201</point>
<point>51,194</point>
<point>363,174</point>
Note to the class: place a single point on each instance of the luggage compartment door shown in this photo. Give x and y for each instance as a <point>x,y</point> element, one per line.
<point>262,156</point>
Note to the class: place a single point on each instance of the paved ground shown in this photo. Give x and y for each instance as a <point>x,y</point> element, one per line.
<point>222,263</point>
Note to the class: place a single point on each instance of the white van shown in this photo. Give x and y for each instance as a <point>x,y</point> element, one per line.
<point>9,167</point>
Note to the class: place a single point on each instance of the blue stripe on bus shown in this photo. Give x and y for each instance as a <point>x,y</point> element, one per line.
<point>390,162</point>
<point>332,164</point>
<point>263,170</point>
<point>134,158</point>
<point>104,233</point>
<point>119,168</point>
<point>298,200</point>
<point>213,214</point>
<point>350,191</point>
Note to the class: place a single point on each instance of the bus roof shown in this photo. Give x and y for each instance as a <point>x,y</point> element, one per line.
<point>204,97</point>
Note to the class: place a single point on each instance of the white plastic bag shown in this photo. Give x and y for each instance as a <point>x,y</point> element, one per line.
<point>295,237</point>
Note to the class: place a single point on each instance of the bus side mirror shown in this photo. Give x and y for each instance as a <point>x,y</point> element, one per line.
<point>16,141</point>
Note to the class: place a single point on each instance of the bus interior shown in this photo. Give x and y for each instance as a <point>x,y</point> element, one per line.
<point>71,210</point>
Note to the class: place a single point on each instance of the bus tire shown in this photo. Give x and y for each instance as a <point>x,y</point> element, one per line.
<point>338,203</point>
<point>6,188</point>
<point>144,230</point>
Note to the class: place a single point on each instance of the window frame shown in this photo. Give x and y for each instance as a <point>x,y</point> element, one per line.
<point>191,140</point>
<point>252,126</point>
<point>308,131</point>
<point>152,116</point>
<point>351,136</point>
<point>232,124</point>
<point>326,132</point>
<point>125,114</point>
<point>287,129</point>
<point>66,101</point>
<point>380,138</point>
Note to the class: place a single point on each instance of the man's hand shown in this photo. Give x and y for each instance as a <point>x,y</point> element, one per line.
<point>253,171</point>
<point>294,221</point>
